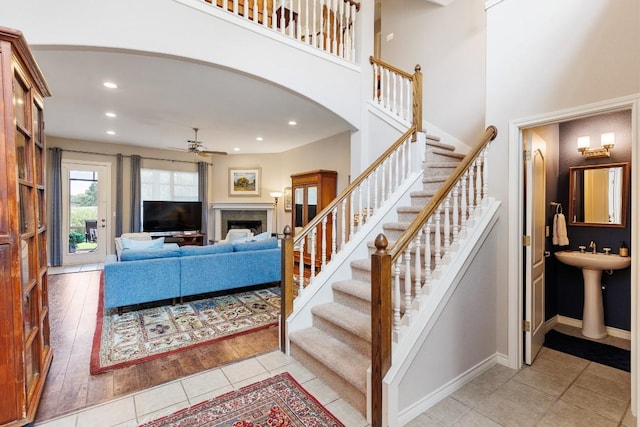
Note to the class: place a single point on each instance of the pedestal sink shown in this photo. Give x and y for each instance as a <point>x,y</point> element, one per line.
<point>592,266</point>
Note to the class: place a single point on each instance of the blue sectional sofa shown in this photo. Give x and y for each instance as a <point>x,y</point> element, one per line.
<point>145,275</point>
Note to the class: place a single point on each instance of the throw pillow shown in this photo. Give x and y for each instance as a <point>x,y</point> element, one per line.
<point>261,236</point>
<point>141,245</point>
<point>255,246</point>
<point>137,255</point>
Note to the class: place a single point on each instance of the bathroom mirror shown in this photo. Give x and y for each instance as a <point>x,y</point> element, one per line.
<point>598,195</point>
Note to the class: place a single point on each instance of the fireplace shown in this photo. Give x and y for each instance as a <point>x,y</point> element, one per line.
<point>257,217</point>
<point>254,226</point>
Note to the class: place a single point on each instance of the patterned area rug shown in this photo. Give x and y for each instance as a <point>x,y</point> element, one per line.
<point>277,401</point>
<point>140,335</point>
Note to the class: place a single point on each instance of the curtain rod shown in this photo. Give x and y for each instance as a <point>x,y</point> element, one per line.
<point>127,155</point>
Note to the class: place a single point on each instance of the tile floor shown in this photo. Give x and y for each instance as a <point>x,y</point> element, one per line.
<point>165,399</point>
<point>74,268</point>
<point>557,390</point>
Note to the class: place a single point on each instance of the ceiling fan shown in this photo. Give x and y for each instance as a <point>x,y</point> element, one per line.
<point>196,147</point>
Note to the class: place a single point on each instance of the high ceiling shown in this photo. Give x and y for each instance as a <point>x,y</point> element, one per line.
<point>159,100</point>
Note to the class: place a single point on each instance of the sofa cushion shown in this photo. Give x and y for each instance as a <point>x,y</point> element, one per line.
<point>261,236</point>
<point>137,255</point>
<point>206,250</point>
<point>139,245</point>
<point>255,246</point>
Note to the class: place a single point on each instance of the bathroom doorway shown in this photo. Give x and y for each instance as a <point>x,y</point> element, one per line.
<point>551,126</point>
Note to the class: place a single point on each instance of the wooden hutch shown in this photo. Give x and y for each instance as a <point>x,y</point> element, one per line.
<point>311,192</point>
<point>25,349</point>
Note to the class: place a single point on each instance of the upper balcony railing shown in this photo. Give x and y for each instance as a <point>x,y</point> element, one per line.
<point>325,24</point>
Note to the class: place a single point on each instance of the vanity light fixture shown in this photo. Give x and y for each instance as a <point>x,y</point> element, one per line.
<point>607,142</point>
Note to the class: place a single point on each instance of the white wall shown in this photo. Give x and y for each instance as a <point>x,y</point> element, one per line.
<point>449,44</point>
<point>545,56</point>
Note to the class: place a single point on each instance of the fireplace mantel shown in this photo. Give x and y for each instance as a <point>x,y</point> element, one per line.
<point>218,207</point>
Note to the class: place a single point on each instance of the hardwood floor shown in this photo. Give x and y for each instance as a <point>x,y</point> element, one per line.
<point>73,301</point>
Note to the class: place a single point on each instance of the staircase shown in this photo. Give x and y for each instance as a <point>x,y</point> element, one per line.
<point>337,348</point>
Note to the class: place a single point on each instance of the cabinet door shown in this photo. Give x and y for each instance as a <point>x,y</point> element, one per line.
<point>298,207</point>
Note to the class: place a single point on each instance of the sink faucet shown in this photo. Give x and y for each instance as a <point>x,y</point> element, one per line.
<point>592,246</point>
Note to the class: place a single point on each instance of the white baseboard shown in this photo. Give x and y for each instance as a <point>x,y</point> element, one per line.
<point>577,323</point>
<point>437,395</point>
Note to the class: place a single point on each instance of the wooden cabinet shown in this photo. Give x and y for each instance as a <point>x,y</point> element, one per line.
<point>311,192</point>
<point>25,348</point>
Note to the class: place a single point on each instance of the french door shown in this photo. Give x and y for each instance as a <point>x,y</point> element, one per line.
<point>86,196</point>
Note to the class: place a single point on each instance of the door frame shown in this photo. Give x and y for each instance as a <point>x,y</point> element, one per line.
<point>516,224</point>
<point>65,207</point>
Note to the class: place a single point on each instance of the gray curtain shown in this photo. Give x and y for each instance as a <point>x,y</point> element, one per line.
<point>203,171</point>
<point>118,223</point>
<point>55,228</point>
<point>136,206</point>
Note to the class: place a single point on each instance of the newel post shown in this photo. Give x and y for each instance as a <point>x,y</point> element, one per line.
<point>381,315</point>
<point>417,101</point>
<point>286,285</point>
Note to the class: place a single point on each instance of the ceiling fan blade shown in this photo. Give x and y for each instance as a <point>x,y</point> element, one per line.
<point>178,149</point>
<point>221,153</point>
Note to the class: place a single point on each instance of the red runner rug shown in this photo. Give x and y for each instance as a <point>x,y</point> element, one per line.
<point>275,402</point>
<point>156,331</point>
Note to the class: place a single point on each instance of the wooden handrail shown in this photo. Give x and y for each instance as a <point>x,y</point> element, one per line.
<point>354,184</point>
<point>401,244</point>
<point>396,70</point>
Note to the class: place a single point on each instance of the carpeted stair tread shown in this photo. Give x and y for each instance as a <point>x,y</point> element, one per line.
<point>396,226</point>
<point>409,209</point>
<point>434,179</point>
<point>422,193</point>
<point>337,356</point>
<point>355,288</point>
<point>350,320</point>
<point>454,157</point>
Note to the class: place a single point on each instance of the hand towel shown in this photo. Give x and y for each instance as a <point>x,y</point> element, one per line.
<point>563,239</point>
<point>554,238</point>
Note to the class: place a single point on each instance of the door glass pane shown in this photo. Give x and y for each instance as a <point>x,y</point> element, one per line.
<point>299,202</point>
<point>25,260</point>
<point>83,211</point>
<point>312,203</point>
<point>26,209</point>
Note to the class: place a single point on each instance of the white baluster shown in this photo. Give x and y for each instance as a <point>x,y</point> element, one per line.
<point>375,83</point>
<point>343,230</point>
<point>438,236</point>
<point>340,31</point>
<point>447,228</point>
<point>394,91</point>
<point>301,267</point>
<point>383,194</point>
<point>324,242</point>
<point>427,255</point>
<point>478,186</point>
<point>463,204</point>
<point>407,284</point>
<point>471,196</point>
<point>352,217</point>
<point>417,285</point>
<point>298,23</point>
<point>485,175</point>
<point>235,7</point>
<point>334,230</point>
<point>388,88</point>
<point>368,203</point>
<point>322,40</point>
<point>313,245</point>
<point>254,18</point>
<point>376,204</point>
<point>397,171</point>
<point>360,221</point>
<point>314,35</point>
<point>306,22</point>
<point>396,297</point>
<point>456,217</point>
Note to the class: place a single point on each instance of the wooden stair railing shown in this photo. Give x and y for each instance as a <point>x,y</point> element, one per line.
<point>325,24</point>
<point>458,200</point>
<point>398,92</point>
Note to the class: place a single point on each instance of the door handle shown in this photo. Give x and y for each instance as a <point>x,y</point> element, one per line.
<point>547,254</point>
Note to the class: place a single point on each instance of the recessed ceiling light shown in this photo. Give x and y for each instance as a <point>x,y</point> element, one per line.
<point>110,85</point>
<point>111,132</point>
<point>292,123</point>
<point>110,114</point>
<point>236,149</point>
<point>259,138</point>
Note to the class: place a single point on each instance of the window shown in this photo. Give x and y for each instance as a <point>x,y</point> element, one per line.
<point>157,184</point>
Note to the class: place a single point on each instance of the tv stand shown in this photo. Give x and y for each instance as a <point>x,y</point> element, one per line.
<point>192,239</point>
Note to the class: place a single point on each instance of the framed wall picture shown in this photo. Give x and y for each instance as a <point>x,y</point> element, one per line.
<point>287,199</point>
<point>245,182</point>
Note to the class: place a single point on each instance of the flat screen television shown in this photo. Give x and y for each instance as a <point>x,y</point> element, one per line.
<point>165,216</point>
